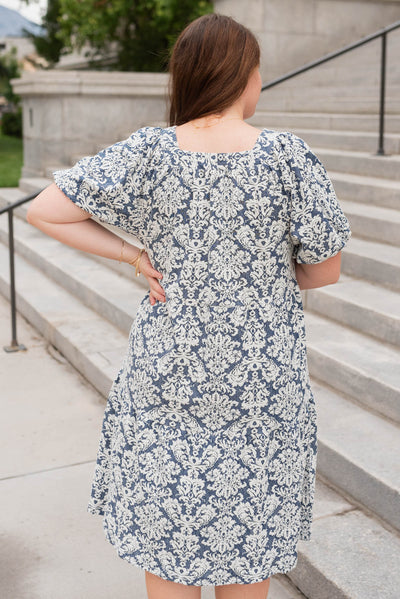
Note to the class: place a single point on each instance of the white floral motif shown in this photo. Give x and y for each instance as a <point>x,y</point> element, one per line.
<point>205,470</point>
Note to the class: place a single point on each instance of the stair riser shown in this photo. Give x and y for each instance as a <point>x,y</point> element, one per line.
<point>374,229</point>
<point>96,302</point>
<point>29,188</point>
<point>308,102</point>
<point>124,269</point>
<point>371,492</point>
<point>352,165</point>
<point>339,122</point>
<point>366,390</point>
<point>362,319</point>
<point>367,194</point>
<point>363,267</point>
<point>344,142</point>
<point>87,367</point>
<point>312,581</point>
<point>373,166</point>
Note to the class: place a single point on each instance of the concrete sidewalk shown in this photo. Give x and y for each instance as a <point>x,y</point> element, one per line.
<point>50,546</point>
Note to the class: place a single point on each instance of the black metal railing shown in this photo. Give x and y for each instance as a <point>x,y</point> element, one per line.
<point>14,345</point>
<point>368,38</point>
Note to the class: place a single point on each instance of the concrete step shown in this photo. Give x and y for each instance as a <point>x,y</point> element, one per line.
<point>55,167</point>
<point>96,349</point>
<point>360,163</point>
<point>334,120</point>
<point>309,99</point>
<point>351,556</point>
<point>364,141</point>
<point>90,343</point>
<point>367,190</point>
<point>373,222</point>
<point>373,261</point>
<point>122,269</point>
<point>365,307</point>
<point>364,368</point>
<point>114,296</point>
<point>358,452</point>
<point>29,185</point>
<point>348,186</point>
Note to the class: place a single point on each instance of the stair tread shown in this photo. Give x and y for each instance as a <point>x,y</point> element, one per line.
<point>91,333</point>
<point>371,211</point>
<point>11,194</point>
<point>119,290</point>
<point>317,114</point>
<point>368,356</point>
<point>363,437</point>
<point>355,154</point>
<point>363,294</point>
<point>365,180</point>
<point>351,555</point>
<point>341,133</point>
<point>375,250</point>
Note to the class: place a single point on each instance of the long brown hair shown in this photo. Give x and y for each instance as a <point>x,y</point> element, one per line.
<point>209,67</point>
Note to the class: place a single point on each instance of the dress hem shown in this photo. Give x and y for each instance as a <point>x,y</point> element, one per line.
<point>99,511</point>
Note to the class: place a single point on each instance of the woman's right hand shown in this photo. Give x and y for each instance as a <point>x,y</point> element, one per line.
<point>152,275</point>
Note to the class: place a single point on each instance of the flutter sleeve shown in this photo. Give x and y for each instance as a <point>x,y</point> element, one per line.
<point>111,184</point>
<point>319,228</point>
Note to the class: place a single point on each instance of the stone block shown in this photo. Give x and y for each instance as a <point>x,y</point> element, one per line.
<point>286,16</point>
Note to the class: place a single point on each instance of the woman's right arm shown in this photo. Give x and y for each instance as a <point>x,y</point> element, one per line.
<point>324,273</point>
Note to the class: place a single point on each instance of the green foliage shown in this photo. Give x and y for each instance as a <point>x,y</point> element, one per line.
<point>11,123</point>
<point>11,157</point>
<point>9,69</point>
<point>50,45</point>
<point>140,32</point>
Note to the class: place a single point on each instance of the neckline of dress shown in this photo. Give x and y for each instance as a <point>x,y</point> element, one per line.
<point>226,154</point>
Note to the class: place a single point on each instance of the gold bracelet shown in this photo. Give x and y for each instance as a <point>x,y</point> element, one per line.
<point>122,251</point>
<point>136,261</point>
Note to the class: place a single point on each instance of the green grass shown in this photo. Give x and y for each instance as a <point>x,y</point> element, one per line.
<point>11,157</point>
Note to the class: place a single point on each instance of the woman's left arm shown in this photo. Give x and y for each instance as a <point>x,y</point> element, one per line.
<point>56,215</point>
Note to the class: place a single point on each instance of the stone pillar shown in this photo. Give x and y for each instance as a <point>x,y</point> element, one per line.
<point>69,113</point>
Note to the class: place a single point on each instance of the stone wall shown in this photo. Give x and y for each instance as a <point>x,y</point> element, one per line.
<point>72,113</point>
<point>294,32</point>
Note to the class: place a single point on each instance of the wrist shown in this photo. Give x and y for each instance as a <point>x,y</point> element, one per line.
<point>128,252</point>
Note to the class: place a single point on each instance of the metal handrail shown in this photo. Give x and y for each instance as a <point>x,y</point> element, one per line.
<point>14,346</point>
<point>364,40</point>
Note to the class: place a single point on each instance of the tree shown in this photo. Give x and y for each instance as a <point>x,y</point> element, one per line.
<point>11,121</point>
<point>49,45</point>
<point>139,33</point>
<point>9,69</point>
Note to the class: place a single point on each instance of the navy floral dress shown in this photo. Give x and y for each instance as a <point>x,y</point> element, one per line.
<point>206,465</point>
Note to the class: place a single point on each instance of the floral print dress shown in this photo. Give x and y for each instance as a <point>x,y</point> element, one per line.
<point>206,465</point>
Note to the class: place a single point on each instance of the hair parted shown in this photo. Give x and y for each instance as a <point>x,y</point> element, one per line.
<point>209,67</point>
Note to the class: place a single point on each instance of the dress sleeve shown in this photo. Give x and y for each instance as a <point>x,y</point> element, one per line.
<point>319,228</point>
<point>110,185</point>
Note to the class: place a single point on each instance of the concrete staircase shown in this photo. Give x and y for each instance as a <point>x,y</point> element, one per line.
<point>84,305</point>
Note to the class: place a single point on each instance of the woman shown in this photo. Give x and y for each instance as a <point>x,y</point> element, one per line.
<point>206,467</point>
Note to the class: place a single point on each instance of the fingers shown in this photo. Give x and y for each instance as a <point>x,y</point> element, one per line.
<point>156,291</point>
<point>156,296</point>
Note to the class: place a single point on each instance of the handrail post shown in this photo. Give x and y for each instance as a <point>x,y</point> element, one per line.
<point>381,151</point>
<point>15,346</point>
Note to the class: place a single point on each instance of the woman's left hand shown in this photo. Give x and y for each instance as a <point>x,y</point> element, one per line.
<point>152,275</point>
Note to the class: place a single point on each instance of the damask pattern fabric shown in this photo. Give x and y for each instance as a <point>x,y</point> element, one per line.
<point>205,471</point>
